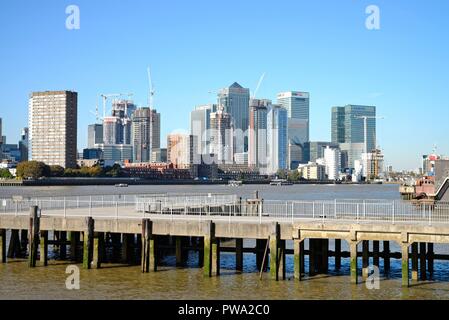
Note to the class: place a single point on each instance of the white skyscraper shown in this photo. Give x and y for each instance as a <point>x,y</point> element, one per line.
<point>332,160</point>
<point>277,139</point>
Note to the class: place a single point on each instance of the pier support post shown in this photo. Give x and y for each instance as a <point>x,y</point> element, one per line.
<point>200,243</point>
<point>337,254</point>
<point>98,243</point>
<point>324,255</point>
<point>430,257</point>
<point>312,257</point>
<point>277,253</point>
<point>405,264</point>
<point>298,258</point>
<point>239,254</point>
<point>365,259</point>
<point>88,243</point>
<point>149,253</point>
<point>353,263</point>
<point>2,245</point>
<point>74,240</point>
<point>33,235</point>
<point>376,249</point>
<point>261,244</point>
<point>43,254</point>
<point>128,247</point>
<point>62,245</point>
<point>179,251</point>
<point>211,265</point>
<point>414,261</point>
<point>386,250</point>
<point>422,260</point>
<point>14,248</point>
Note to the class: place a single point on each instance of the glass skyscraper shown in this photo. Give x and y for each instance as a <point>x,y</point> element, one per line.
<point>277,139</point>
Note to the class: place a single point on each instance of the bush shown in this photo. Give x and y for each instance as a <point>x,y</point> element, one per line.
<point>5,174</point>
<point>32,170</point>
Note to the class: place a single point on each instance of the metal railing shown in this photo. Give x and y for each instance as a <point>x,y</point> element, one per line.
<point>228,207</point>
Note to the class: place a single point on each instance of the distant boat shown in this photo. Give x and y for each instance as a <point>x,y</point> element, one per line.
<point>280,182</point>
<point>235,183</point>
<point>121,185</point>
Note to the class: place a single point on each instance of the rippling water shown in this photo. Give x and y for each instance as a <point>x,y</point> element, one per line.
<point>116,281</point>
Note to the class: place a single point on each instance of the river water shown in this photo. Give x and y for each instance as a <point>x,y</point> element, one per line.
<point>116,281</point>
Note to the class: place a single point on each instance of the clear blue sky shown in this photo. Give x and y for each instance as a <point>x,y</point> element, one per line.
<point>195,47</point>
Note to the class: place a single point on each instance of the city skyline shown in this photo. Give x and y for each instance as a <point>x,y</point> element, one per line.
<point>387,67</point>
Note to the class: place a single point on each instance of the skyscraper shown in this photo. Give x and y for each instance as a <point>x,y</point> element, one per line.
<point>155,133</point>
<point>235,100</point>
<point>348,125</point>
<point>94,135</point>
<point>53,127</point>
<point>23,144</point>
<point>315,149</point>
<point>277,138</point>
<point>332,160</point>
<point>297,105</point>
<point>200,126</point>
<point>112,130</point>
<point>257,135</point>
<point>221,136</point>
<point>181,149</point>
<point>141,135</point>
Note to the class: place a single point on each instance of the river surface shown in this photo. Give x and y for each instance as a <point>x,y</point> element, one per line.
<point>115,281</point>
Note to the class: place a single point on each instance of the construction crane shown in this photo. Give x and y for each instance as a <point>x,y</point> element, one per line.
<point>151,91</point>
<point>258,85</point>
<point>105,98</point>
<point>365,129</point>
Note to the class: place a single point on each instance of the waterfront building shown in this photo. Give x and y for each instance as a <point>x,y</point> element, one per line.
<point>297,105</point>
<point>235,101</point>
<point>312,171</point>
<point>332,160</point>
<point>221,136</point>
<point>315,149</point>
<point>112,130</point>
<point>373,164</point>
<point>200,126</point>
<point>53,127</point>
<point>181,150</point>
<point>116,153</point>
<point>277,139</point>
<point>94,134</point>
<point>348,125</point>
<point>257,135</point>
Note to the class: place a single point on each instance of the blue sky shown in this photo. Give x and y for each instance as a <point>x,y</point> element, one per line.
<point>195,47</point>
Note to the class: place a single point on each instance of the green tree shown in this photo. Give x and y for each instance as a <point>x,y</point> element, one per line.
<point>294,175</point>
<point>32,170</point>
<point>56,171</point>
<point>5,174</point>
<point>281,174</point>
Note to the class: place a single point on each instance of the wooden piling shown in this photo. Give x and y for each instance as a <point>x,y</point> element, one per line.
<point>376,249</point>
<point>430,258</point>
<point>405,264</point>
<point>149,253</point>
<point>337,254</point>
<point>298,258</point>
<point>261,244</point>
<point>414,261</point>
<point>365,259</point>
<point>353,262</point>
<point>239,254</point>
<point>211,265</point>
<point>179,250</point>
<point>33,236</point>
<point>74,240</point>
<point>2,245</point>
<point>97,247</point>
<point>277,253</point>
<point>312,257</point>
<point>128,247</point>
<point>14,248</point>
<point>62,245</point>
<point>43,254</point>
<point>422,260</point>
<point>386,253</point>
<point>88,237</point>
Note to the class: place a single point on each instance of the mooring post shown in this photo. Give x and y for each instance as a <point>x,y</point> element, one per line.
<point>74,239</point>
<point>149,252</point>
<point>405,264</point>
<point>98,243</point>
<point>353,263</point>
<point>179,251</point>
<point>239,254</point>
<point>298,258</point>
<point>365,259</point>
<point>211,265</point>
<point>88,243</point>
<point>430,257</point>
<point>2,245</point>
<point>422,260</point>
<point>276,253</point>
<point>337,254</point>
<point>414,261</point>
<point>376,249</point>
<point>33,235</point>
<point>386,250</point>
<point>43,255</point>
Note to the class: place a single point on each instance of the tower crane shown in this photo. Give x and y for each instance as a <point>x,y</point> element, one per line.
<point>151,90</point>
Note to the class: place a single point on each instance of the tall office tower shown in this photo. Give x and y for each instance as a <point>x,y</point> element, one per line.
<point>141,135</point>
<point>112,130</point>
<point>350,153</point>
<point>181,149</point>
<point>297,105</point>
<point>332,160</point>
<point>23,144</point>
<point>235,100</point>
<point>200,126</point>
<point>155,133</point>
<point>277,138</point>
<point>257,135</point>
<point>53,127</point>
<point>348,125</point>
<point>315,149</point>
<point>94,135</point>
<point>222,136</point>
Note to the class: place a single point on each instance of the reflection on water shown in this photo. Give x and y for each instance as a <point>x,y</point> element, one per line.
<point>114,281</point>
